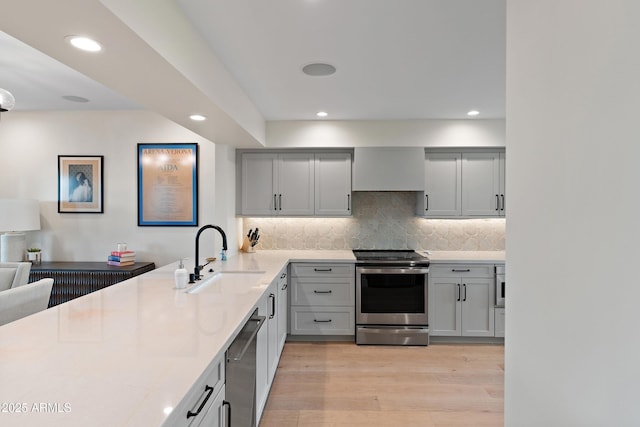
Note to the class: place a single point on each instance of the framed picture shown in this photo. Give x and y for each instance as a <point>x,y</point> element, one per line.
<point>168,184</point>
<point>80,184</point>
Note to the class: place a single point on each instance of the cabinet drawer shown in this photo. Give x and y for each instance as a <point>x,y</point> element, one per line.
<point>322,321</point>
<point>322,270</point>
<point>462,270</point>
<point>213,377</point>
<point>326,292</point>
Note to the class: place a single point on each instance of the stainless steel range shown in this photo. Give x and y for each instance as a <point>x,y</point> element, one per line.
<point>391,297</point>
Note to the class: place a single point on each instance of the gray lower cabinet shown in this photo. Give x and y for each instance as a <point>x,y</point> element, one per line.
<point>282,307</point>
<point>271,338</point>
<point>322,299</point>
<point>462,300</point>
<point>215,414</point>
<point>204,403</point>
<point>499,322</point>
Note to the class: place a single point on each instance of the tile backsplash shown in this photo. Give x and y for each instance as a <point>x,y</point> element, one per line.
<point>381,220</point>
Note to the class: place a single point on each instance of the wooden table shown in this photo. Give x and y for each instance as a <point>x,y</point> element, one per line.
<point>74,279</point>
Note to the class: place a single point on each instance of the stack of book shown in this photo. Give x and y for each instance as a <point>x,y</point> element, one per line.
<point>121,259</point>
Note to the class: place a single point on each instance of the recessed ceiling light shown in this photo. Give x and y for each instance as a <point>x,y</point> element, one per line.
<point>74,98</point>
<point>322,114</point>
<point>197,117</point>
<point>473,113</point>
<point>318,69</point>
<point>84,43</point>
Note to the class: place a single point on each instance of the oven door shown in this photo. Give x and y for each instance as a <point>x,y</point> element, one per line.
<point>391,296</point>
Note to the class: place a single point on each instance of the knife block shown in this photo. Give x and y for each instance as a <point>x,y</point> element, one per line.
<point>246,246</point>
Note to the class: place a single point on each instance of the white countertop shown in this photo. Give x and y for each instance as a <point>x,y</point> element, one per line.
<point>120,356</point>
<point>466,257</point>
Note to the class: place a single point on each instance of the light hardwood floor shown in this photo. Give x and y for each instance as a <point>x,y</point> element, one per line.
<point>343,384</point>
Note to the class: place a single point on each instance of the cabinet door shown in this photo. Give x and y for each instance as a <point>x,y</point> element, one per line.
<point>445,306</point>
<point>481,184</point>
<point>262,358</point>
<point>503,198</point>
<point>215,414</point>
<point>499,322</point>
<point>295,184</point>
<point>272,333</point>
<point>443,184</point>
<point>283,291</point>
<point>333,184</point>
<point>258,183</point>
<point>478,305</point>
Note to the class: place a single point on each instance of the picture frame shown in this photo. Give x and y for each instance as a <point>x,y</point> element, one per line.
<point>80,184</point>
<point>168,184</point>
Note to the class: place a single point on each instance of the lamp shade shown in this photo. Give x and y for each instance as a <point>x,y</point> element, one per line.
<point>19,215</point>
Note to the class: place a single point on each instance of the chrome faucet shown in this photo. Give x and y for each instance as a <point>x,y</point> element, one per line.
<point>196,271</point>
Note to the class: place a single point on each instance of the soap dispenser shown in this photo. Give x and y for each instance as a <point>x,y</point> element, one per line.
<point>181,276</point>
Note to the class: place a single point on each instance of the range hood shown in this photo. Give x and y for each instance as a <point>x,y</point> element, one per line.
<point>388,169</point>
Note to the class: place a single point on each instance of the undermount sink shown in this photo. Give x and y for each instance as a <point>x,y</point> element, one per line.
<point>222,278</point>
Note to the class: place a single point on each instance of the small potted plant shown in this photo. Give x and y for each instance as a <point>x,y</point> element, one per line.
<point>34,255</point>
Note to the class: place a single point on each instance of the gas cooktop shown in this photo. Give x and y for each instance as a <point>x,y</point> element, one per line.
<point>407,257</point>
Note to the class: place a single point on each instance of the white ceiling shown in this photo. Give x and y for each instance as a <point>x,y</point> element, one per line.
<point>395,59</point>
<point>39,82</point>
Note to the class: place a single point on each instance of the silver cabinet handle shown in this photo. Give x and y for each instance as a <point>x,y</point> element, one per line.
<point>322,269</point>
<point>348,202</point>
<point>275,202</point>
<point>227,420</point>
<point>279,202</point>
<point>322,292</point>
<point>427,202</point>
<point>502,206</point>
<point>460,270</point>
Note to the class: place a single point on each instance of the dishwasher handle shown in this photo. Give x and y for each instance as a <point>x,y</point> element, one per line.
<point>258,320</point>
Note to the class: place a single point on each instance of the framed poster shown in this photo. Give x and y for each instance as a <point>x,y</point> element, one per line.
<point>80,184</point>
<point>168,184</point>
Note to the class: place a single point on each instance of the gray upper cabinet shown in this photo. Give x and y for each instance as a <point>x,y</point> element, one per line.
<point>443,184</point>
<point>277,184</point>
<point>259,183</point>
<point>296,183</point>
<point>333,184</point>
<point>463,184</point>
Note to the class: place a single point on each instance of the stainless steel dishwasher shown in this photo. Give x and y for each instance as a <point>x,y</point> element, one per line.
<point>241,374</point>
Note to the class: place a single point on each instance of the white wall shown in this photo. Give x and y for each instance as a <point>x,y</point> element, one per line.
<point>31,142</point>
<point>573,96</point>
<point>381,133</point>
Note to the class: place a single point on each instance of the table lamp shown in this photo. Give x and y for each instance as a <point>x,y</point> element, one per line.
<point>17,216</point>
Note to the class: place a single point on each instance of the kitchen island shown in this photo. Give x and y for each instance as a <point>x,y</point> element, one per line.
<point>126,355</point>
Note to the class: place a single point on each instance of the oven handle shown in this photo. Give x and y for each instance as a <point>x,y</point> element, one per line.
<point>392,270</point>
